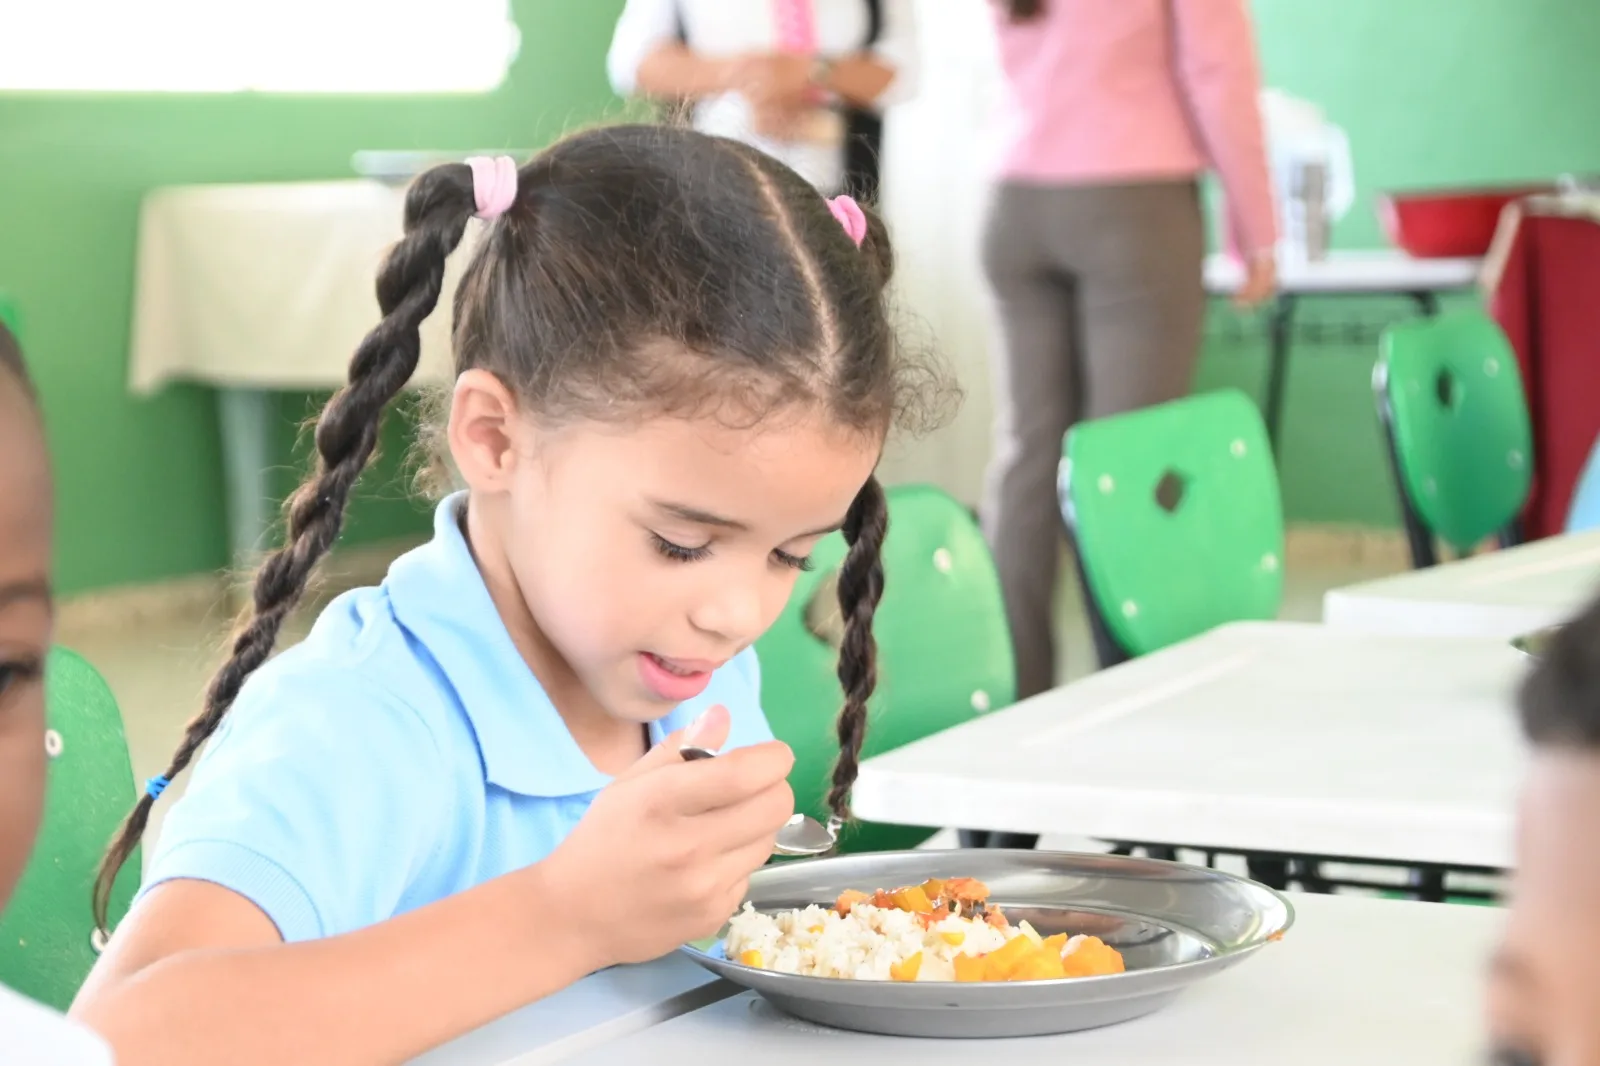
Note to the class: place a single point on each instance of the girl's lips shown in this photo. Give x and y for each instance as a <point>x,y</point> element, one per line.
<point>674,680</point>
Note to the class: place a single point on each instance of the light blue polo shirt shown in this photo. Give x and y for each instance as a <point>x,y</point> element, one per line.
<point>402,753</point>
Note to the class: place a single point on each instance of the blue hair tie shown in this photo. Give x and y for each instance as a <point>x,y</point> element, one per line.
<point>156,785</point>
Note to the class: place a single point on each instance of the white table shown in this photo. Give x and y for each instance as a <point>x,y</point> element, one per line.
<point>1498,594</point>
<point>1386,272</point>
<point>1373,272</point>
<point>1263,737</point>
<point>611,1005</point>
<point>1355,981</point>
<point>256,289</point>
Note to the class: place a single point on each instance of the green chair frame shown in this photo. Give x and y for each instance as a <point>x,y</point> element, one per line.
<point>1175,519</point>
<point>1457,429</point>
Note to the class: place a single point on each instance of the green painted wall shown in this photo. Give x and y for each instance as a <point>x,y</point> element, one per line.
<point>1432,92</point>
<point>140,480</point>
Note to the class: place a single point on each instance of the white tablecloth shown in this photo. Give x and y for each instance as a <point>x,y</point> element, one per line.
<point>1259,736</point>
<point>1498,594</point>
<point>1355,981</point>
<point>268,286</point>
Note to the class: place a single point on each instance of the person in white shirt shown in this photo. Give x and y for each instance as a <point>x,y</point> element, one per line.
<point>805,81</point>
<point>30,1034</point>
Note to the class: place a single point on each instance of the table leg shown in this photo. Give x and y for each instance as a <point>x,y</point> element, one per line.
<point>246,418</point>
<point>1280,329</point>
<point>1427,302</point>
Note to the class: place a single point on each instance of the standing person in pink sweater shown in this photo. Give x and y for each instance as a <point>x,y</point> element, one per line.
<point>1094,243</point>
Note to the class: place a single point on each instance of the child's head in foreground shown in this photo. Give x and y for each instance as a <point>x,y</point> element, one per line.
<point>1546,978</point>
<point>675,374</point>
<point>25,613</point>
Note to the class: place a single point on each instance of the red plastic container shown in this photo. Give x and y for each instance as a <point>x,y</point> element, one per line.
<point>1448,223</point>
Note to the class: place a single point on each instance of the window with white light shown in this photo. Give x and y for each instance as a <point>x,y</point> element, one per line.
<point>271,46</point>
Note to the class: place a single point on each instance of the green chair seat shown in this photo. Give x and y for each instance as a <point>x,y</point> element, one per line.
<point>47,933</point>
<point>944,651</point>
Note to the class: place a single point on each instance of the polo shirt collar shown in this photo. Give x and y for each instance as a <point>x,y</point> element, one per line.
<point>439,596</point>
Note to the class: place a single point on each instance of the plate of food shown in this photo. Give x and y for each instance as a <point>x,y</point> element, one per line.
<point>987,943</point>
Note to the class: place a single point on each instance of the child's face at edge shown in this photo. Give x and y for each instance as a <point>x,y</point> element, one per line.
<point>1546,976</point>
<point>647,549</point>
<point>26,619</point>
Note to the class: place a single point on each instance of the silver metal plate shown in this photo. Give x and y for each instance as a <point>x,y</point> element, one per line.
<point>1174,924</point>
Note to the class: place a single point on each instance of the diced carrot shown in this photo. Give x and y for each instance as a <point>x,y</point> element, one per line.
<point>751,958</point>
<point>1057,943</point>
<point>907,970</point>
<point>933,887</point>
<point>955,940</point>
<point>995,918</point>
<point>1093,958</point>
<point>849,899</point>
<point>912,899</point>
<point>1039,965</point>
<point>1000,964</point>
<point>970,968</point>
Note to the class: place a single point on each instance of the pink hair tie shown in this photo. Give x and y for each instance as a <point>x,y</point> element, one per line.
<point>850,216</point>
<point>494,184</point>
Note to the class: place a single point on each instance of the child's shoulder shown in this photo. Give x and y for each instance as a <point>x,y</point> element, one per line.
<point>357,670</point>
<point>37,1036</point>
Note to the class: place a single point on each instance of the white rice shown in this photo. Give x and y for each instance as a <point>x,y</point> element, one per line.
<point>862,945</point>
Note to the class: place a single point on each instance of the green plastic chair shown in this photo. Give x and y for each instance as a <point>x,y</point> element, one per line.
<point>47,935</point>
<point>1175,519</point>
<point>944,652</point>
<point>11,316</point>
<point>1460,444</point>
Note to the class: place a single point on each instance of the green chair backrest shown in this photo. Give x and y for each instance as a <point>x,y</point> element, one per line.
<point>47,938</point>
<point>1459,423</point>
<point>944,651</point>
<point>1176,517</point>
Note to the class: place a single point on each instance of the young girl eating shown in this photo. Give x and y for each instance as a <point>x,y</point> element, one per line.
<point>30,1034</point>
<point>463,790</point>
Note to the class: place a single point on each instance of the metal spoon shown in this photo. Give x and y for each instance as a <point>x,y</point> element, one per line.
<point>801,836</point>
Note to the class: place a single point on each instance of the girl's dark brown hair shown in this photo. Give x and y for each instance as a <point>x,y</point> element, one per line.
<point>1560,698</point>
<point>1023,10</point>
<point>641,270</point>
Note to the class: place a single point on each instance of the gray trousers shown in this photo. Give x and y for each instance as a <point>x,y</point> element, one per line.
<point>1099,304</point>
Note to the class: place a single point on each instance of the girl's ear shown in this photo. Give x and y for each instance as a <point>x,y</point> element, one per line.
<point>484,431</point>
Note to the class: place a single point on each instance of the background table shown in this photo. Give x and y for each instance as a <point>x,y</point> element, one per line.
<point>610,1005</point>
<point>255,289</point>
<point>1499,594</point>
<point>1355,981</point>
<point>1355,273</point>
<point>1258,737</point>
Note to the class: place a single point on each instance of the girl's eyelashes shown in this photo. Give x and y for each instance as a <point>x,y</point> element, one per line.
<point>17,672</point>
<point>683,554</point>
<point>678,552</point>
<point>794,562</point>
